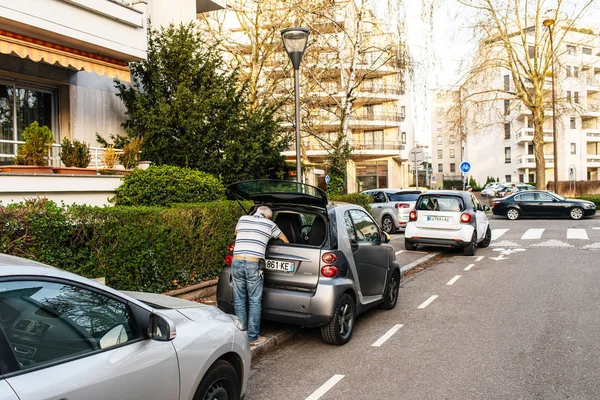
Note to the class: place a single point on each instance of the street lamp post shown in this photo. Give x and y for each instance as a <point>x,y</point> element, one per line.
<point>295,41</point>
<point>549,23</point>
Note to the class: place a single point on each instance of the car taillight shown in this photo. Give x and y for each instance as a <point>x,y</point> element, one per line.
<point>228,260</point>
<point>230,247</point>
<point>412,216</point>
<point>494,204</point>
<point>329,258</point>
<point>329,271</point>
<point>465,218</point>
<point>402,205</point>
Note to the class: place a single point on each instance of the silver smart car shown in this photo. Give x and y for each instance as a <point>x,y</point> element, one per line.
<point>63,336</point>
<point>336,266</point>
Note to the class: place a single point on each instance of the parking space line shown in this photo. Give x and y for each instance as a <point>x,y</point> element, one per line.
<point>400,251</point>
<point>428,301</point>
<point>451,281</point>
<point>533,234</point>
<point>317,394</point>
<point>479,258</point>
<point>388,335</point>
<point>469,267</point>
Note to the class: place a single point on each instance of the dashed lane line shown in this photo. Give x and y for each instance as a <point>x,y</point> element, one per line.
<point>428,301</point>
<point>469,267</point>
<point>317,394</point>
<point>451,281</point>
<point>388,335</point>
<point>479,258</point>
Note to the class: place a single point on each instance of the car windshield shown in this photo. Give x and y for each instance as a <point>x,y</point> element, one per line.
<point>404,196</point>
<point>440,203</point>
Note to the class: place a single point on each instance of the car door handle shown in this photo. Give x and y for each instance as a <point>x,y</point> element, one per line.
<point>354,245</point>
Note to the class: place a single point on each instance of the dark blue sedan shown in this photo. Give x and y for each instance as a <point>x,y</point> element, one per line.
<point>541,203</point>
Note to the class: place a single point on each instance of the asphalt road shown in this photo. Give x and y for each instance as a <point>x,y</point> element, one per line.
<point>519,320</point>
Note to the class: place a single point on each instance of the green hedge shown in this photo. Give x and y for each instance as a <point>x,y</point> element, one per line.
<point>167,185</point>
<point>363,200</point>
<point>136,248</point>
<point>594,198</point>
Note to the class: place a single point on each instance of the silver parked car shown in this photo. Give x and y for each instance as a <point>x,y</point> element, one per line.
<point>336,266</point>
<point>391,207</point>
<point>66,337</point>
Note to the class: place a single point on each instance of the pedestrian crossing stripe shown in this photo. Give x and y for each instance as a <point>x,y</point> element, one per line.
<point>552,243</point>
<point>577,234</point>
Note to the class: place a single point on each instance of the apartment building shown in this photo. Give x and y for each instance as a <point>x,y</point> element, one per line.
<point>58,59</point>
<point>380,124</point>
<point>447,150</point>
<point>501,144</point>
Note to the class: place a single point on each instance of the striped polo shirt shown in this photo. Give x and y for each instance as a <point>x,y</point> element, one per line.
<point>252,235</point>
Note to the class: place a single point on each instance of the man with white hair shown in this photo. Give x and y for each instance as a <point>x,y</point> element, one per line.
<point>253,233</point>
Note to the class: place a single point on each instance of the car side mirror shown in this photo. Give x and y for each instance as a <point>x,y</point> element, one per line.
<point>486,207</point>
<point>161,328</point>
<point>385,238</point>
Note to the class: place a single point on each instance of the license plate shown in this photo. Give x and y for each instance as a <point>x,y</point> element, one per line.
<point>276,265</point>
<point>433,218</point>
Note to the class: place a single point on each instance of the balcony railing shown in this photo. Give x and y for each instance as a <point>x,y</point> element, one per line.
<point>528,160</point>
<point>389,145</point>
<point>593,82</point>
<point>526,134</point>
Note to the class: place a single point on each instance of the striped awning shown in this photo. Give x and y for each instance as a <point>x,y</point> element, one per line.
<point>51,53</point>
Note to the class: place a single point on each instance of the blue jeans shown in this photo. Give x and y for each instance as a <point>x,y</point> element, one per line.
<point>247,286</point>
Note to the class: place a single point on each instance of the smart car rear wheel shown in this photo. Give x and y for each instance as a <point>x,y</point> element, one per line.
<point>471,248</point>
<point>576,213</point>
<point>390,297</point>
<point>513,214</point>
<point>487,239</point>
<point>387,224</point>
<point>409,246</point>
<point>339,329</point>
<point>221,382</point>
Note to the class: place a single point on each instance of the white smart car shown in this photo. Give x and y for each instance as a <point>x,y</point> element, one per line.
<point>448,218</point>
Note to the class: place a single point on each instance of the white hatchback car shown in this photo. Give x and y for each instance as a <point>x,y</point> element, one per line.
<point>66,337</point>
<point>448,218</point>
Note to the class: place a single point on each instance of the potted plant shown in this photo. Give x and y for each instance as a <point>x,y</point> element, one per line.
<point>76,157</point>
<point>131,154</point>
<point>110,158</point>
<point>32,157</point>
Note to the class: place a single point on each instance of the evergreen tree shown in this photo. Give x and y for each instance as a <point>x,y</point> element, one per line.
<point>193,114</point>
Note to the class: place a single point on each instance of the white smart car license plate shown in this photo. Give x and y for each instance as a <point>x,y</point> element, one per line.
<point>434,218</point>
<point>276,265</point>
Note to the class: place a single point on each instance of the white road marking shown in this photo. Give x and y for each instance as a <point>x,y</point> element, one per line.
<point>451,282</point>
<point>469,267</point>
<point>388,335</point>
<point>428,301</point>
<point>595,228</point>
<point>533,234</point>
<point>479,258</point>
<point>496,233</point>
<point>398,252</point>
<point>317,394</point>
<point>577,234</point>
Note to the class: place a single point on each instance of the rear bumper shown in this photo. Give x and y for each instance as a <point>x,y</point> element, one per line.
<point>438,242</point>
<point>458,237</point>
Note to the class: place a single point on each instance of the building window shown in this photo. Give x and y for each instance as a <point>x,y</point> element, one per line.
<point>452,167</point>
<point>586,50</point>
<point>576,72</point>
<point>522,178</point>
<point>569,71</point>
<point>530,149</point>
<point>507,155</point>
<point>573,123</point>
<point>507,130</point>
<point>568,95</point>
<point>402,113</point>
<point>508,178</point>
<point>531,178</point>
<point>20,106</point>
<point>452,155</point>
<point>570,50</point>
<point>403,137</point>
<point>371,175</point>
<point>439,140</point>
<point>573,148</point>
<point>576,97</point>
<point>507,82</point>
<point>440,167</point>
<point>369,140</point>
<point>451,138</point>
<point>440,154</point>
<point>531,51</point>
<point>530,122</point>
<point>506,107</point>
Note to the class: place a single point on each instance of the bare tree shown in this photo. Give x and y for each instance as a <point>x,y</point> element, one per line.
<point>513,39</point>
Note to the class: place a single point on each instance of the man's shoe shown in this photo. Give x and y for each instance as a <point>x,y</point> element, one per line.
<point>259,340</point>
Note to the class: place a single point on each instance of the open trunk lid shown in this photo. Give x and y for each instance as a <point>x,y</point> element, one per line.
<point>279,192</point>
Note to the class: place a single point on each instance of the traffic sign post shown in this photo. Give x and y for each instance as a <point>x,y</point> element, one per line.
<point>465,167</point>
<point>327,179</point>
<point>416,156</point>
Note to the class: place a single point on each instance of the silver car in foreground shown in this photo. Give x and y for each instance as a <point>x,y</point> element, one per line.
<point>391,207</point>
<point>66,337</point>
<point>336,266</point>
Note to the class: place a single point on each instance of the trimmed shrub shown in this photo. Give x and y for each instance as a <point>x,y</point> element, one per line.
<point>135,248</point>
<point>168,185</point>
<point>594,198</point>
<point>38,141</point>
<point>363,200</point>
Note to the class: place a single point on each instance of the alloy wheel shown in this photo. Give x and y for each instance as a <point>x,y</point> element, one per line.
<point>576,213</point>
<point>393,289</point>
<point>346,321</point>
<point>512,214</point>
<point>387,224</point>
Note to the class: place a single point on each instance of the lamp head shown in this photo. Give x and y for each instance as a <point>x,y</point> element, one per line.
<point>295,41</point>
<point>548,22</point>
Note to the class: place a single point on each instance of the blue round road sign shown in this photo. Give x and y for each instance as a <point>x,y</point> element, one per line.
<point>327,179</point>
<point>465,166</point>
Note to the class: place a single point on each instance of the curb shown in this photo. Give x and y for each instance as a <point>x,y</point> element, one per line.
<point>417,263</point>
